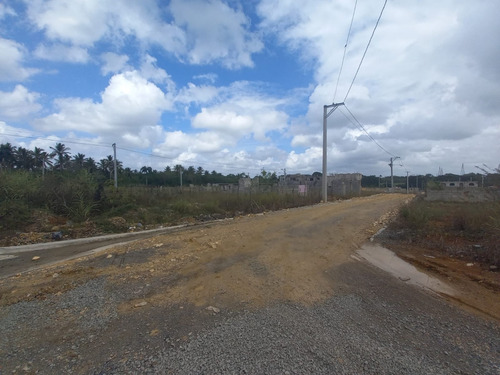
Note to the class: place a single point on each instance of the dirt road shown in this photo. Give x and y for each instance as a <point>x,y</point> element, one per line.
<point>137,307</point>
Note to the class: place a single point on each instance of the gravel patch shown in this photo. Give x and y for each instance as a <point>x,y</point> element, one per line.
<point>375,324</point>
<point>345,335</point>
<point>68,322</point>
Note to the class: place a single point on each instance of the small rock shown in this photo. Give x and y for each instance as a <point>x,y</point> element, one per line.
<point>109,256</point>
<point>493,268</point>
<point>55,275</point>
<point>57,236</point>
<point>35,258</point>
<point>214,309</point>
<point>470,264</point>
<point>141,304</point>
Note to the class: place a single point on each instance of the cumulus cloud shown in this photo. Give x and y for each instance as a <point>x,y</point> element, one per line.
<point>242,117</point>
<point>150,71</point>
<point>429,75</point>
<point>203,142</point>
<point>201,32</point>
<point>199,94</point>
<point>216,32</point>
<point>76,22</point>
<point>114,63</point>
<point>427,89</point>
<point>61,52</point>
<point>12,61</point>
<point>128,104</point>
<point>19,103</point>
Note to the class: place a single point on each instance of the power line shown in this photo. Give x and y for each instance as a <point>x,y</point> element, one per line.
<point>366,49</point>
<point>150,154</point>
<point>358,123</point>
<point>345,49</point>
<point>55,140</point>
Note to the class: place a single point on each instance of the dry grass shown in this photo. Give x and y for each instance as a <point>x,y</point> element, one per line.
<point>469,230</point>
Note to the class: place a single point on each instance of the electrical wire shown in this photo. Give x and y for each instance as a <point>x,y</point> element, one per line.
<point>345,49</point>
<point>150,154</point>
<point>357,123</point>
<point>55,140</point>
<point>366,49</point>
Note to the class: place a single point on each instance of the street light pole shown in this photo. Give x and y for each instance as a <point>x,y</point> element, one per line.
<point>324,180</point>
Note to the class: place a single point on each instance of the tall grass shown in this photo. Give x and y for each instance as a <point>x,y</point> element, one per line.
<point>471,219</point>
<point>470,229</point>
<point>171,204</point>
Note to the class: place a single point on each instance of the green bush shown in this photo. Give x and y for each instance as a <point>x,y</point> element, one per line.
<point>71,195</point>
<point>18,192</point>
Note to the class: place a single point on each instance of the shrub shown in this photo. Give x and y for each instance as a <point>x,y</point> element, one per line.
<point>70,195</point>
<point>18,191</point>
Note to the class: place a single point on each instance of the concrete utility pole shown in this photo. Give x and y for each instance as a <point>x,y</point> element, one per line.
<point>114,163</point>
<point>324,180</point>
<point>392,176</point>
<point>407,181</point>
<point>180,175</point>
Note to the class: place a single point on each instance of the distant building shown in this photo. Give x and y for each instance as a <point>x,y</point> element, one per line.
<point>345,183</point>
<point>459,184</point>
<point>291,180</point>
<point>338,184</point>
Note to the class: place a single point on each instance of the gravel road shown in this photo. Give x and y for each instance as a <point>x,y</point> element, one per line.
<point>271,294</point>
<point>375,325</point>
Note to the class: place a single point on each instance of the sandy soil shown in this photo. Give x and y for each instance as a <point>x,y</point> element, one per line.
<point>478,287</point>
<point>253,259</point>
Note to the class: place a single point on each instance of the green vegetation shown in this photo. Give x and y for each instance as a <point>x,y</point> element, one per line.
<point>80,197</point>
<point>40,191</point>
<point>470,230</point>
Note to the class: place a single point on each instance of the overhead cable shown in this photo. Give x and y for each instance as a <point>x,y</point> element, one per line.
<point>358,124</point>
<point>366,49</point>
<point>345,49</point>
<point>54,140</point>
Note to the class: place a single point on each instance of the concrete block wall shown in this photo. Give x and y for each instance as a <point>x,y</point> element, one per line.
<point>463,195</point>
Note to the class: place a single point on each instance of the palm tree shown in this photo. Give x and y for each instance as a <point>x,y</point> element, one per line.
<point>61,152</point>
<point>146,170</point>
<point>78,161</point>
<point>45,160</point>
<point>24,159</point>
<point>37,154</point>
<point>108,165</point>
<point>90,165</point>
<point>7,155</point>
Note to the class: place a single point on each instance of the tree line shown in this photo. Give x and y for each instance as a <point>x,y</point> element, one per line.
<point>59,159</point>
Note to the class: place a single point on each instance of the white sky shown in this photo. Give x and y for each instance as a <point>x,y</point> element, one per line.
<point>237,86</point>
